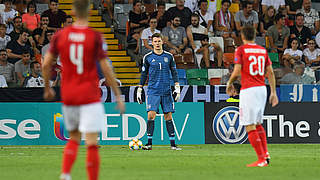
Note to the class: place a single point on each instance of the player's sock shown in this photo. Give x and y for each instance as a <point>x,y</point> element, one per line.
<point>93,162</point>
<point>150,129</point>
<point>170,129</point>
<point>255,141</point>
<point>69,156</point>
<point>262,135</point>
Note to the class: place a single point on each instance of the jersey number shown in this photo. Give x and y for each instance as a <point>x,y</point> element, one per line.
<point>76,56</point>
<point>253,61</point>
<point>160,66</point>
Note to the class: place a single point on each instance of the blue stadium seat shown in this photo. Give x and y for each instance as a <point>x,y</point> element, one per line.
<point>182,77</point>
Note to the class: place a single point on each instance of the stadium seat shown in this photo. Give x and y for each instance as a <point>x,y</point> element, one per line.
<point>181,76</point>
<point>228,59</point>
<point>121,15</point>
<point>274,57</point>
<point>215,81</point>
<point>197,77</point>
<point>184,59</point>
<point>217,40</point>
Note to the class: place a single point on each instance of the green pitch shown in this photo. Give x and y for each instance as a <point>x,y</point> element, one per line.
<point>197,162</point>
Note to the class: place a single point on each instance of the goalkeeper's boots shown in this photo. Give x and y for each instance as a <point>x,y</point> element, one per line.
<point>259,163</point>
<point>175,147</point>
<point>65,177</point>
<point>147,147</point>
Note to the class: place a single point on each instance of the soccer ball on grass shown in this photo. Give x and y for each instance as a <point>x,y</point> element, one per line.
<point>135,144</point>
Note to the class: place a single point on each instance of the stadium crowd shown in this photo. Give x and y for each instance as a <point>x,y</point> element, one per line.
<point>200,31</point>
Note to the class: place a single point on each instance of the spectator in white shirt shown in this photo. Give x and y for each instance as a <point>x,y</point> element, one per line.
<point>8,14</point>
<point>275,3</point>
<point>4,38</point>
<point>293,54</point>
<point>311,17</point>
<point>147,34</point>
<point>206,17</point>
<point>3,83</point>
<point>312,54</point>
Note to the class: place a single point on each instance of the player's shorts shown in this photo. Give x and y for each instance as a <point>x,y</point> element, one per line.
<point>166,102</point>
<point>87,118</point>
<point>252,104</point>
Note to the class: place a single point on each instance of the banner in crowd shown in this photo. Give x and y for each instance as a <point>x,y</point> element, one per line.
<point>190,93</point>
<point>285,123</point>
<point>42,124</point>
<point>300,93</point>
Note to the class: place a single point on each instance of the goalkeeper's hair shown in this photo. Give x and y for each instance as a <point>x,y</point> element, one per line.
<point>81,8</point>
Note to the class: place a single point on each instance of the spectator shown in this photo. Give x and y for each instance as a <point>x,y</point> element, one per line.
<point>298,76</point>
<point>300,31</point>
<point>224,21</point>
<point>198,38</point>
<point>312,54</point>
<point>159,14</point>
<point>311,17</point>
<point>278,35</point>
<point>275,3</point>
<point>7,69</point>
<point>175,38</point>
<point>49,34</point>
<point>34,79</point>
<point>15,48</point>
<point>284,12</point>
<point>247,16</point>
<point>17,27</point>
<point>56,16</point>
<point>3,83</point>
<point>22,67</point>
<point>267,20</point>
<point>179,10</point>
<point>146,36</point>
<point>138,21</point>
<point>31,20</point>
<point>192,5</point>
<point>206,17</point>
<point>39,34</point>
<point>292,55</point>
<point>68,21</point>
<point>292,7</point>
<point>4,39</point>
<point>8,14</point>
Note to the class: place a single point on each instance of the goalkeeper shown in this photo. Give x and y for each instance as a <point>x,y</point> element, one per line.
<point>158,65</point>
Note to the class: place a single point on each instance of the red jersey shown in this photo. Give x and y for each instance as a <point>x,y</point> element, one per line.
<point>79,48</point>
<point>254,60</point>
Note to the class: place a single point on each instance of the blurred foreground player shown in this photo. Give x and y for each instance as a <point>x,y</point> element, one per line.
<point>158,65</point>
<point>79,48</point>
<point>252,63</point>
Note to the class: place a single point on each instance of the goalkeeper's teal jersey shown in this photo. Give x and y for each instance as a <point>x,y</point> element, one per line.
<point>158,68</point>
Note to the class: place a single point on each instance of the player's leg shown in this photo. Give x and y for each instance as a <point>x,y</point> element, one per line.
<point>93,158</point>
<point>152,104</point>
<point>71,120</point>
<point>91,124</point>
<point>167,106</point>
<point>263,137</point>
<point>249,117</point>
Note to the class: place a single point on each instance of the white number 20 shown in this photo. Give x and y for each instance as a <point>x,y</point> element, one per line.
<point>253,61</point>
<point>76,56</point>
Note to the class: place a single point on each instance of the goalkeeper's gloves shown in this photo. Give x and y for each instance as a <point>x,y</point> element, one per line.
<point>139,92</point>
<point>176,92</point>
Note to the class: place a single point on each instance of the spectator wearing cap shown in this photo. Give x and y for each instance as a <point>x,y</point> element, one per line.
<point>278,35</point>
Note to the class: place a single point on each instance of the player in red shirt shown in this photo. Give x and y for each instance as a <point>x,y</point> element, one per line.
<point>252,63</point>
<point>80,48</point>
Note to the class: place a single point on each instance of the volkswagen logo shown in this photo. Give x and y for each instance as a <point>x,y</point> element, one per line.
<point>226,126</point>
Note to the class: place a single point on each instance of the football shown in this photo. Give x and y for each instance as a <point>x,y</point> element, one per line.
<point>135,144</point>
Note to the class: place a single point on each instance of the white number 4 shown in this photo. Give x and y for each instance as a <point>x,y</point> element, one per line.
<point>76,56</point>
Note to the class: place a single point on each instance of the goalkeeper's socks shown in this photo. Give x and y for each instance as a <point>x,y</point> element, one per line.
<point>69,156</point>
<point>262,135</point>
<point>255,141</point>
<point>93,162</point>
<point>170,129</point>
<point>150,129</point>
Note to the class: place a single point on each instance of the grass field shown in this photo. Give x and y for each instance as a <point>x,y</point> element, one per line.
<point>300,161</point>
